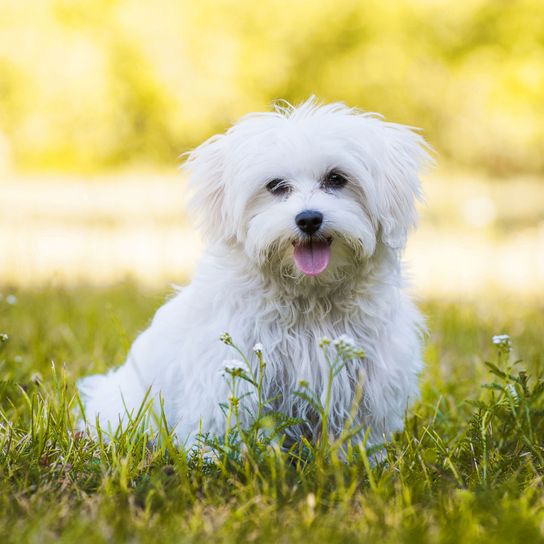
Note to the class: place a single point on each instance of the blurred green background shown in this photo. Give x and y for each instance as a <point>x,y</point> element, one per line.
<point>87,85</point>
<point>98,99</point>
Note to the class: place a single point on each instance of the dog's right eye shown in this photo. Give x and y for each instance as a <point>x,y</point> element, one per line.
<point>278,187</point>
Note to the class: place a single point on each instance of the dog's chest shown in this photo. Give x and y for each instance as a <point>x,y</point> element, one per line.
<point>305,349</point>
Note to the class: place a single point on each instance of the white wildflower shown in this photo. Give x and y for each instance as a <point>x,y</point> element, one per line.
<point>258,348</point>
<point>233,367</point>
<point>11,299</point>
<point>325,341</point>
<point>503,342</point>
<point>501,339</point>
<point>226,338</point>
<point>233,364</point>
<point>346,347</point>
<point>344,340</point>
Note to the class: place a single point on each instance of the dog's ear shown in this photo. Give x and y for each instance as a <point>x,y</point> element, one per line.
<point>404,155</point>
<point>205,168</point>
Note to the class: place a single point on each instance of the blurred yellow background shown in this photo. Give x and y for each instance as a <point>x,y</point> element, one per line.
<point>98,98</point>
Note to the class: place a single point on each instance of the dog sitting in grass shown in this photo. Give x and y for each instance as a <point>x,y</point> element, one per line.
<point>306,211</point>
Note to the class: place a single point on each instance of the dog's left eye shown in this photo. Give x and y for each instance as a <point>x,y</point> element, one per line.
<point>278,187</point>
<point>334,180</point>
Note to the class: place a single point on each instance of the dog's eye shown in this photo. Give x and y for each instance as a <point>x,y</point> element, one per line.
<point>334,180</point>
<point>278,187</point>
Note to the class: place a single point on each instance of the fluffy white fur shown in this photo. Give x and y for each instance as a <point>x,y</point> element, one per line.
<point>247,282</point>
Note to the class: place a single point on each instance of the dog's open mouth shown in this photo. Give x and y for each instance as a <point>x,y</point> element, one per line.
<point>312,256</point>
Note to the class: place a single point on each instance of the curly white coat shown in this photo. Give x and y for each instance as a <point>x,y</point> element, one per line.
<point>247,282</point>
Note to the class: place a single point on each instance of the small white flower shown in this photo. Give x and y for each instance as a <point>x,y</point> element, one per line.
<point>258,348</point>
<point>226,338</point>
<point>344,340</point>
<point>500,339</point>
<point>11,299</point>
<point>233,364</point>
<point>346,347</point>
<point>503,343</point>
<point>233,367</point>
<point>324,342</point>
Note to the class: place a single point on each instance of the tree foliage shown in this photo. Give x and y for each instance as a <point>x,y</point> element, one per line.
<point>91,84</point>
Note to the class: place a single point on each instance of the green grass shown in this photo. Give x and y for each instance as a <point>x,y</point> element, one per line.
<point>468,468</point>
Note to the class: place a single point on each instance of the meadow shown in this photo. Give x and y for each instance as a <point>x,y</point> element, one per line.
<point>97,101</point>
<point>467,468</point>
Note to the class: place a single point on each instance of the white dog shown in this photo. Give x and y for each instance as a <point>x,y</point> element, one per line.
<point>306,211</point>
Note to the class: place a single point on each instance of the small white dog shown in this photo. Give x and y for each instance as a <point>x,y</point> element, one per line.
<point>306,210</point>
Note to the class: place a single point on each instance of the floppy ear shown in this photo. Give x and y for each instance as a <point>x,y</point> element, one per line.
<point>404,156</point>
<point>205,167</point>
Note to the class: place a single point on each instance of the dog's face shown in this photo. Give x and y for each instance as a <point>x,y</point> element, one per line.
<point>308,190</point>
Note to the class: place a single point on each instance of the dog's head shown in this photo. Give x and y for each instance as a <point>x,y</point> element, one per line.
<point>308,189</point>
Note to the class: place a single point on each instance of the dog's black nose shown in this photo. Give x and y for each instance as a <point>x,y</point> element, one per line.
<point>309,221</point>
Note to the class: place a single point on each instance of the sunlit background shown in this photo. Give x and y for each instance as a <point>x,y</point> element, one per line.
<point>98,99</point>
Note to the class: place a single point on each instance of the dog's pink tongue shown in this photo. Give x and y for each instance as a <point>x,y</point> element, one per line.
<point>313,257</point>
